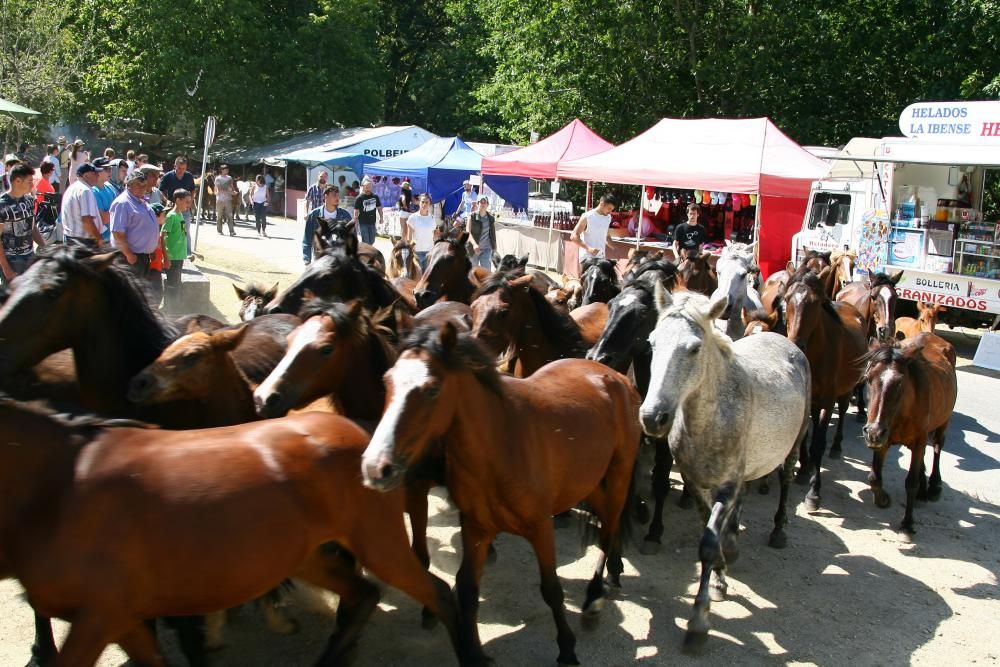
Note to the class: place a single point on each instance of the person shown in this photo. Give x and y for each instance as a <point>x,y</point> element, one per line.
<point>81,219</point>
<point>52,156</point>
<point>591,231</point>
<point>179,178</point>
<point>17,224</point>
<point>65,156</point>
<point>342,184</point>
<point>404,204</point>
<point>119,174</point>
<point>279,194</point>
<point>469,198</point>
<point>130,162</point>
<point>104,193</point>
<point>244,188</point>
<point>77,156</point>
<point>8,163</point>
<point>420,227</point>
<point>316,192</point>
<point>366,207</point>
<point>152,173</point>
<point>133,226</point>
<point>689,236</point>
<point>22,152</point>
<point>320,221</point>
<point>260,196</point>
<point>175,249</point>
<point>109,153</point>
<point>140,160</point>
<point>225,197</point>
<point>268,179</point>
<point>482,234</point>
<point>157,265</point>
<point>43,182</point>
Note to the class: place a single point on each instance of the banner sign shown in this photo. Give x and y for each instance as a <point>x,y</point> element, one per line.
<point>970,122</point>
<point>949,290</point>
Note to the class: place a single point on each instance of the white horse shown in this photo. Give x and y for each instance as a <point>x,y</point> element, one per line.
<point>737,271</point>
<point>732,412</point>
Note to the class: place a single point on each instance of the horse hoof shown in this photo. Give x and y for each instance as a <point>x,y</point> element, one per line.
<point>594,607</point>
<point>834,452</point>
<point>428,621</point>
<point>650,548</point>
<point>778,540</point>
<point>694,642</point>
<point>906,534</point>
<point>717,593</point>
<point>812,503</point>
<point>882,500</point>
<point>934,494</point>
<point>568,659</point>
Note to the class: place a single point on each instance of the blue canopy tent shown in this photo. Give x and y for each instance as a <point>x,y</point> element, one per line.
<point>313,157</point>
<point>438,167</point>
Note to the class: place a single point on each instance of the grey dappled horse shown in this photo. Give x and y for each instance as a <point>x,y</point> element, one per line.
<point>736,270</point>
<point>732,412</point>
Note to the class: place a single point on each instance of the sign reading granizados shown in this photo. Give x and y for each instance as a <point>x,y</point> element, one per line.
<point>955,121</point>
<point>950,290</point>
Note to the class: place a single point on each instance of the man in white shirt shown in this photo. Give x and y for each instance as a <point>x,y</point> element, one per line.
<point>591,232</point>
<point>420,227</point>
<point>52,155</point>
<point>81,218</point>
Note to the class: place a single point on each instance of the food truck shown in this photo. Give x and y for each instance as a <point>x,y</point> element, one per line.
<point>915,203</point>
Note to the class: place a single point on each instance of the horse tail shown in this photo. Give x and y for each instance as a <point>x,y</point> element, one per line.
<point>629,524</point>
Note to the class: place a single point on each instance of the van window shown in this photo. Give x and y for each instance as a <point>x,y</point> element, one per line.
<point>829,209</point>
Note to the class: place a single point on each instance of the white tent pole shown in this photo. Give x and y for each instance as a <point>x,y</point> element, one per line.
<point>638,223</point>
<point>756,229</point>
<point>552,220</point>
<point>201,195</point>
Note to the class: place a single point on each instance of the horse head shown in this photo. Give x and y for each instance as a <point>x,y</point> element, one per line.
<point>599,280</point>
<point>253,298</point>
<point>335,274</point>
<point>447,273</point>
<point>500,310</point>
<point>883,296</point>
<point>804,299</point>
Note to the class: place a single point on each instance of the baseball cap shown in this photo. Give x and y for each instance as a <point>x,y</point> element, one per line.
<point>79,142</point>
<point>102,163</point>
<point>148,169</point>
<point>86,168</point>
<point>136,176</point>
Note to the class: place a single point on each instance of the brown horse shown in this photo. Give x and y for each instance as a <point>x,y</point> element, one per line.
<point>842,262</point>
<point>198,503</point>
<point>509,314</point>
<point>516,267</point>
<point>403,261</point>
<point>832,335</point>
<point>518,451</point>
<point>591,319</point>
<point>447,276</point>
<point>696,274</point>
<point>875,299</point>
<point>926,322</point>
<point>912,390</point>
<point>253,298</point>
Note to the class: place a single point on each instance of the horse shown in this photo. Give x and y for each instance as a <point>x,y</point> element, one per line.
<point>832,335</point>
<point>192,322</point>
<point>912,390</point>
<point>447,276</point>
<point>509,314</point>
<point>875,299</point>
<point>253,298</point>
<point>281,490</point>
<point>344,235</point>
<point>926,322</point>
<point>591,320</point>
<point>403,261</point>
<point>842,262</point>
<point>518,452</point>
<point>735,268</point>
<point>515,267</point>
<point>696,273</point>
<point>599,280</point>
<point>732,412</point>
<point>637,258</point>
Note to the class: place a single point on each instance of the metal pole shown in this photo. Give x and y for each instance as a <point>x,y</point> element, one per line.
<point>638,223</point>
<point>201,195</point>
<point>552,220</point>
<point>756,229</point>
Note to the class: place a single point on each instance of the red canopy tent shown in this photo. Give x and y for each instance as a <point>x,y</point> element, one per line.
<point>745,156</point>
<point>539,160</point>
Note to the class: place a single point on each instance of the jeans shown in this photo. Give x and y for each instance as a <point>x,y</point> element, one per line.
<point>307,239</point>
<point>367,234</point>
<point>422,259</point>
<point>172,289</point>
<point>260,217</point>
<point>224,214</point>
<point>19,263</point>
<point>483,258</point>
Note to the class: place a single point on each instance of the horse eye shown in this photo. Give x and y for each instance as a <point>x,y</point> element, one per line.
<point>326,350</point>
<point>433,392</point>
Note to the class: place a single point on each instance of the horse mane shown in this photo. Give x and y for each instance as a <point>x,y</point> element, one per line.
<point>668,268</point>
<point>693,307</point>
<point>362,327</point>
<point>738,251</point>
<point>881,279</point>
<point>837,255</point>
<point>255,289</point>
<point>759,315</point>
<point>68,420</point>
<point>146,332</point>
<point>467,354</point>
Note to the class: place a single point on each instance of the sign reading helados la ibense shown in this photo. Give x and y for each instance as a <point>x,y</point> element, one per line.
<point>956,121</point>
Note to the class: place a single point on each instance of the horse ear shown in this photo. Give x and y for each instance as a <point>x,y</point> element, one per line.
<point>896,277</point>
<point>448,335</point>
<point>271,294</point>
<point>226,340</point>
<point>351,242</point>
<point>718,306</point>
<point>354,308</point>
<point>102,261</point>
<point>662,297</point>
<point>790,267</point>
<point>522,282</point>
<point>496,260</point>
<point>523,261</point>
<point>240,292</point>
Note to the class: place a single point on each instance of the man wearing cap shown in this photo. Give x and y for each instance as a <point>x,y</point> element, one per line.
<point>366,207</point>
<point>17,224</point>
<point>225,197</point>
<point>81,218</point>
<point>133,225</point>
<point>104,193</point>
<point>152,174</point>
<point>52,155</point>
<point>469,199</point>
<point>482,234</point>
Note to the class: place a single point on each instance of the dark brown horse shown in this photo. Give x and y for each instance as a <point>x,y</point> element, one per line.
<point>518,451</point>
<point>515,267</point>
<point>281,490</point>
<point>344,236</point>
<point>599,279</point>
<point>912,390</point>
<point>253,298</point>
<point>832,335</point>
<point>875,299</point>
<point>510,315</point>
<point>696,273</point>
<point>447,277</point>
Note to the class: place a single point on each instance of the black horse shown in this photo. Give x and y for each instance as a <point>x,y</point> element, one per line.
<point>599,279</point>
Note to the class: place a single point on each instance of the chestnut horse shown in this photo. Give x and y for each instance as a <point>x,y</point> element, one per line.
<point>253,298</point>
<point>509,314</point>
<point>518,452</point>
<point>842,262</point>
<point>875,298</point>
<point>696,273</point>
<point>832,335</point>
<point>281,490</point>
<point>912,390</point>
<point>448,273</point>
<point>926,322</point>
<point>591,319</point>
<point>403,261</point>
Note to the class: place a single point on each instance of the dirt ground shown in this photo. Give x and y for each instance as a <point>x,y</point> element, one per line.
<point>845,590</point>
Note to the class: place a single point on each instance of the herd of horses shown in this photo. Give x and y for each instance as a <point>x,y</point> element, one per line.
<point>160,468</point>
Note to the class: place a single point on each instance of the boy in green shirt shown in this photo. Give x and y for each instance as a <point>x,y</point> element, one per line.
<point>175,249</point>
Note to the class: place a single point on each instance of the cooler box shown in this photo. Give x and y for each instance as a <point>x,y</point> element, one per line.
<point>906,248</point>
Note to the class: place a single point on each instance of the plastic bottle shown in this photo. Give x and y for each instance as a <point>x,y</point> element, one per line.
<point>908,203</point>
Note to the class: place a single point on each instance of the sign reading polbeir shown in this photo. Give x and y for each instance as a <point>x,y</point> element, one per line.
<point>970,122</point>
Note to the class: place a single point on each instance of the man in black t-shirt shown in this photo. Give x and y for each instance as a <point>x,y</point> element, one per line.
<point>17,224</point>
<point>366,207</point>
<point>689,236</point>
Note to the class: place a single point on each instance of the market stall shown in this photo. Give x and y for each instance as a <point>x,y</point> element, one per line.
<point>737,164</point>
